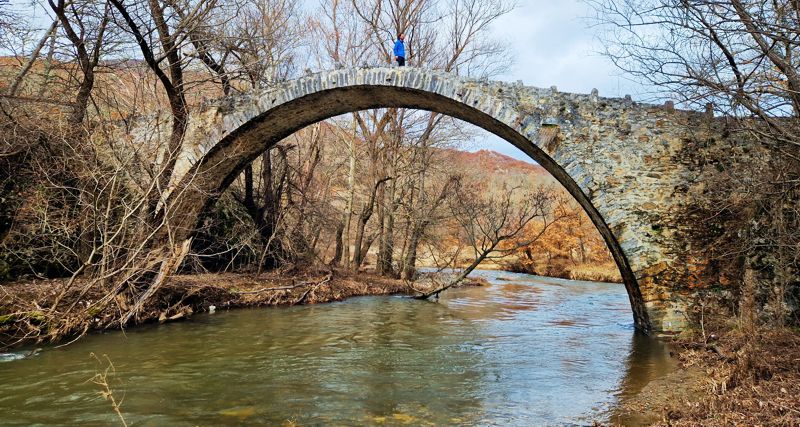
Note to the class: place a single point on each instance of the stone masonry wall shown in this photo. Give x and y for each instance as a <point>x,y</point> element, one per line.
<point>620,159</point>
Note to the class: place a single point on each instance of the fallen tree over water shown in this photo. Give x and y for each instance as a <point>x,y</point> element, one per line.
<point>496,226</point>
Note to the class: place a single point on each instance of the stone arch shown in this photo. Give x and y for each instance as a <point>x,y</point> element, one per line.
<point>545,124</point>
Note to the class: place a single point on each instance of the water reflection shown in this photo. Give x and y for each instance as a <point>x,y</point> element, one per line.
<point>523,351</point>
<point>648,360</point>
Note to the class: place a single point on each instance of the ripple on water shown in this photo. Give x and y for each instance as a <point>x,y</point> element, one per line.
<point>10,357</point>
<point>522,351</point>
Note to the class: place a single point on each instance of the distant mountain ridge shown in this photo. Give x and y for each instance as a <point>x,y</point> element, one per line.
<point>492,162</point>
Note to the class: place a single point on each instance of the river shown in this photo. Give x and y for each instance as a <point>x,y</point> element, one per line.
<point>525,350</point>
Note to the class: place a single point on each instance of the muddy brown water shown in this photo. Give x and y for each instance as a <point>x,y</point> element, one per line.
<point>525,350</point>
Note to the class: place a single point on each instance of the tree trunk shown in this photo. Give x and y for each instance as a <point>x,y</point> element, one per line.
<point>264,216</point>
<point>337,254</point>
<point>351,192</point>
<point>380,205</point>
<point>366,213</point>
<point>386,249</point>
<point>386,252</point>
<point>14,87</point>
<point>359,240</point>
<point>86,60</point>
<point>365,248</point>
<point>747,304</point>
<point>528,254</point>
<point>410,261</point>
<point>48,67</point>
<point>176,96</point>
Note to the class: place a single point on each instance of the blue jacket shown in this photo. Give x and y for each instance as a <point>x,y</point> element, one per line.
<point>399,49</point>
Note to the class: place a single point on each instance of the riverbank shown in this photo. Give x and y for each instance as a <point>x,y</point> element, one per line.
<point>560,269</point>
<point>589,272</point>
<point>27,315</point>
<point>730,378</point>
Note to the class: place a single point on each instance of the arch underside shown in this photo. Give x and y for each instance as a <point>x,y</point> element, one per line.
<point>220,166</point>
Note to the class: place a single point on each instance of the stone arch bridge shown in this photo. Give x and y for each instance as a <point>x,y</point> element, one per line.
<point>619,159</point>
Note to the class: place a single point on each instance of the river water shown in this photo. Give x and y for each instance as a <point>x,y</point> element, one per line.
<point>525,350</point>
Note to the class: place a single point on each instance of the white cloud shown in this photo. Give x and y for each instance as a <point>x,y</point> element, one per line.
<point>554,45</point>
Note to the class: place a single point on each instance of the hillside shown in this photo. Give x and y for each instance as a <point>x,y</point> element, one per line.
<point>490,161</point>
<point>572,248</point>
<point>496,168</point>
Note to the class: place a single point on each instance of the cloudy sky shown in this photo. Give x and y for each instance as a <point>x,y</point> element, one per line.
<point>554,45</point>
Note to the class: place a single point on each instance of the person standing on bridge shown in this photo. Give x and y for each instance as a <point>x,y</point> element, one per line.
<point>400,50</point>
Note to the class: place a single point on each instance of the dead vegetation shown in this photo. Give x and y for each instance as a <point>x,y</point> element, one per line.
<point>32,317</point>
<point>106,373</point>
<point>733,378</point>
<point>566,269</point>
<point>748,379</point>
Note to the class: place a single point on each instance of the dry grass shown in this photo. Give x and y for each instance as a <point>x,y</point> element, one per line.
<point>595,273</point>
<point>102,379</point>
<point>564,269</point>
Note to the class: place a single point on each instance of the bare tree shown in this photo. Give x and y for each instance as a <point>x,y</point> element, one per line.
<point>14,87</point>
<point>740,55</point>
<point>7,18</point>
<point>157,18</point>
<point>247,44</point>
<point>360,32</point>
<point>492,225</point>
<point>85,31</point>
